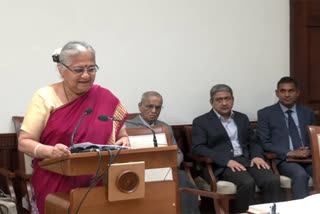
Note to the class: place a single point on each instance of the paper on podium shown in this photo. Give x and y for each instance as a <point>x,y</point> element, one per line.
<point>89,147</point>
<point>146,141</point>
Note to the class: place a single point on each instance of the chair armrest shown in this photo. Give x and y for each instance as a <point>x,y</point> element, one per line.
<point>271,159</point>
<point>270,155</point>
<point>22,175</point>
<point>199,159</point>
<point>302,160</point>
<point>186,165</point>
<point>208,164</point>
<point>26,179</point>
<point>7,173</point>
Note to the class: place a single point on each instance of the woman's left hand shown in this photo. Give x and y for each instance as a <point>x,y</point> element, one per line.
<point>123,141</point>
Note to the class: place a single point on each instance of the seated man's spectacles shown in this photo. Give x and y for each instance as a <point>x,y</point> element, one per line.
<point>221,99</point>
<point>80,70</point>
<point>150,107</point>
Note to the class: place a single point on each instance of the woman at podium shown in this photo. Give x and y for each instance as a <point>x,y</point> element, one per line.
<point>66,113</point>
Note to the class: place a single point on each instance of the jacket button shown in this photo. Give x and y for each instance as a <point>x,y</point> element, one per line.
<point>231,150</point>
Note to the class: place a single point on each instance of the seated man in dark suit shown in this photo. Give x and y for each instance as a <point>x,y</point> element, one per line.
<point>150,108</point>
<point>227,138</point>
<point>282,129</point>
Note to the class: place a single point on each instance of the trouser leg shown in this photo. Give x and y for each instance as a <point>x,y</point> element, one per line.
<point>268,182</point>
<point>299,175</point>
<point>245,189</point>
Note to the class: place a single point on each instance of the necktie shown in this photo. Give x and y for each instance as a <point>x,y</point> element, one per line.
<point>293,132</point>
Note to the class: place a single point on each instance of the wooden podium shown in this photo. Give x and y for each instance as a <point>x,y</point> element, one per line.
<point>159,196</point>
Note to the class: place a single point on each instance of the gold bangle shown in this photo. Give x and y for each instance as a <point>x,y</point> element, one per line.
<point>35,149</point>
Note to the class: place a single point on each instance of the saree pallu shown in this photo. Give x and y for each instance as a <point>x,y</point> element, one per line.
<point>59,129</point>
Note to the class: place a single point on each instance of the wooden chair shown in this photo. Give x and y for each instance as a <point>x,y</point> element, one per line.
<point>285,182</point>
<point>18,182</point>
<point>9,181</point>
<point>23,173</point>
<point>314,135</point>
<point>221,191</point>
<point>8,163</point>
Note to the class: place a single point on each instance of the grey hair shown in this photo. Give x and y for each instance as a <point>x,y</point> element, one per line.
<point>219,88</point>
<point>74,48</point>
<point>147,94</point>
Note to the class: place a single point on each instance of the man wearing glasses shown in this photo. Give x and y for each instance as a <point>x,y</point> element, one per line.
<point>226,137</point>
<point>150,107</point>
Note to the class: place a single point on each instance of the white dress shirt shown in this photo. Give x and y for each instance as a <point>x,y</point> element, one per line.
<point>232,130</point>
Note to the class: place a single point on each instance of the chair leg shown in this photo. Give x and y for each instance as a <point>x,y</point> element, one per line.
<point>11,189</point>
<point>9,177</point>
<point>28,184</point>
<point>287,194</point>
<point>221,206</point>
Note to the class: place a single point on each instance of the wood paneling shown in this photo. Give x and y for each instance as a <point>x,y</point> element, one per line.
<point>8,151</point>
<point>314,63</point>
<point>305,50</point>
<point>8,155</point>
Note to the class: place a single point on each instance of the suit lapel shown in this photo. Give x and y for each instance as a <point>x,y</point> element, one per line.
<point>217,125</point>
<point>281,118</point>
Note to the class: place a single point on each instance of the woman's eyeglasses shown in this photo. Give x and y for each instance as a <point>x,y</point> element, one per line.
<point>80,70</point>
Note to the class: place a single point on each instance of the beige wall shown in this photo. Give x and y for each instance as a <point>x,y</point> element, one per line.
<point>182,47</point>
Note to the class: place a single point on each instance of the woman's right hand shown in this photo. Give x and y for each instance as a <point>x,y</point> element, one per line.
<point>31,146</point>
<point>60,150</point>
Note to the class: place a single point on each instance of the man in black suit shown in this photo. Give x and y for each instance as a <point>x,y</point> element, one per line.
<point>227,138</point>
<point>288,141</point>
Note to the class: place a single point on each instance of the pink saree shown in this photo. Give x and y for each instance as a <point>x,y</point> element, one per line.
<point>59,128</point>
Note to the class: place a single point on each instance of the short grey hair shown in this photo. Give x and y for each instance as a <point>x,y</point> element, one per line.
<point>74,48</point>
<point>219,88</point>
<point>147,94</point>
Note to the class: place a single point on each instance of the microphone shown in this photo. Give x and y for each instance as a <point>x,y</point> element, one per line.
<point>86,112</point>
<point>105,118</point>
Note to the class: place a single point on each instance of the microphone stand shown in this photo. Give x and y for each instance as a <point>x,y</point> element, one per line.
<point>87,111</point>
<point>106,118</point>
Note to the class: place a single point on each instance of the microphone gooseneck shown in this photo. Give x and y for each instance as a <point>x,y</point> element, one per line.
<point>86,112</point>
<point>105,118</point>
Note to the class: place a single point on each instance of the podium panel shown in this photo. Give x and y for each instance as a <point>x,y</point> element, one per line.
<point>159,196</point>
<point>125,181</point>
